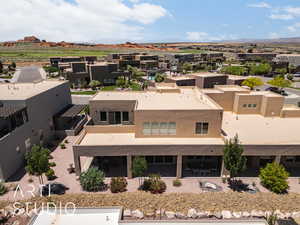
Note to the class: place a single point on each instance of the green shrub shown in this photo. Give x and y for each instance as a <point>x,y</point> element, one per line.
<point>290,77</point>
<point>50,174</point>
<point>66,141</point>
<point>118,184</point>
<point>52,164</point>
<point>154,184</point>
<point>92,180</point>
<point>3,189</point>
<point>177,183</point>
<point>62,146</point>
<point>274,177</point>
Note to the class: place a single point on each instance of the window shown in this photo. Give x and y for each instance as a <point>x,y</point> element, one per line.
<point>172,128</point>
<point>125,116</point>
<point>156,128</point>
<point>147,129</point>
<point>245,105</point>
<point>103,116</point>
<point>249,105</point>
<point>201,128</point>
<point>163,128</point>
<point>254,105</point>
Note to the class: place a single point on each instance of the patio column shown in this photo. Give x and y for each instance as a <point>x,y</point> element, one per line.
<point>129,166</point>
<point>277,159</point>
<point>77,165</point>
<point>179,166</point>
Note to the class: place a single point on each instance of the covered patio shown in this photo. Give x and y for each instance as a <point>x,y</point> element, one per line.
<point>71,120</point>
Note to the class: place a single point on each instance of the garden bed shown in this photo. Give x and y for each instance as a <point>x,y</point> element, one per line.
<point>213,202</point>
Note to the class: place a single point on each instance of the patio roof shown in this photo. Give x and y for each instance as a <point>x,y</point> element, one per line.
<point>73,110</point>
<point>8,110</point>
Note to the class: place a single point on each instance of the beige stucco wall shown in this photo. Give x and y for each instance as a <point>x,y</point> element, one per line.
<point>272,106</point>
<point>185,121</point>
<point>240,100</point>
<point>286,113</point>
<point>225,100</point>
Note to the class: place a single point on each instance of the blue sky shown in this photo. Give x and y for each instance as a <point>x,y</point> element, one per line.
<point>113,21</point>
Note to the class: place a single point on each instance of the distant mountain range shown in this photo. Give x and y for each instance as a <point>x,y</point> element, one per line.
<point>276,40</point>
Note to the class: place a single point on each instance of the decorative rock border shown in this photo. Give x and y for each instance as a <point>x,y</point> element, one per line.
<point>194,214</point>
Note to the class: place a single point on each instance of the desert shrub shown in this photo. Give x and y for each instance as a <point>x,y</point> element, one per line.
<point>154,184</point>
<point>118,184</point>
<point>3,189</point>
<point>274,177</point>
<point>52,164</point>
<point>66,141</point>
<point>92,180</point>
<point>177,183</point>
<point>50,174</point>
<point>62,146</point>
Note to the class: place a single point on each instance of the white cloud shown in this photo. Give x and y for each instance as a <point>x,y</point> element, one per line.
<point>274,35</point>
<point>260,5</point>
<point>203,36</point>
<point>84,20</point>
<point>294,28</point>
<point>281,16</point>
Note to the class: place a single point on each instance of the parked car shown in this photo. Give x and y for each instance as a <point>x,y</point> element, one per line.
<point>277,90</point>
<point>54,189</point>
<point>296,75</point>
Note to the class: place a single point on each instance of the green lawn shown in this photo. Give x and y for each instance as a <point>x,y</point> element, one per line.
<point>109,88</point>
<point>83,92</point>
<point>6,77</point>
<point>133,86</point>
<point>43,54</point>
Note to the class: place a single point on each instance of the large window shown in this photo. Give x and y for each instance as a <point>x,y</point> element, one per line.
<point>125,116</point>
<point>103,116</point>
<point>156,128</point>
<point>201,128</point>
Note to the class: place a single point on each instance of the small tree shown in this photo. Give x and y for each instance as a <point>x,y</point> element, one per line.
<point>234,161</point>
<point>187,67</point>
<point>253,82</point>
<point>94,84</point>
<point>139,167</point>
<point>122,82</point>
<point>12,66</point>
<point>37,161</point>
<point>290,77</point>
<point>280,82</point>
<point>92,180</point>
<point>135,73</point>
<point>159,78</point>
<point>274,177</point>
<point>281,71</point>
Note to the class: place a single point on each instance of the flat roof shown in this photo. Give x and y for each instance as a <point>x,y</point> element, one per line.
<point>208,74</point>
<point>231,88</point>
<point>265,93</point>
<point>256,129</point>
<point>186,99</point>
<point>109,139</point>
<point>233,77</point>
<point>181,77</point>
<point>79,217</point>
<point>22,91</point>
